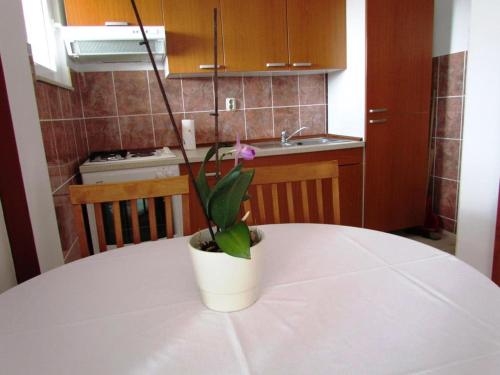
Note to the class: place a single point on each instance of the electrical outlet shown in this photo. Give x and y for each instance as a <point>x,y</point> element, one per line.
<point>230,104</point>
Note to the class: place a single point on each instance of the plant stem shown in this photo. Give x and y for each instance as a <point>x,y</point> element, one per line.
<point>216,99</point>
<point>172,119</point>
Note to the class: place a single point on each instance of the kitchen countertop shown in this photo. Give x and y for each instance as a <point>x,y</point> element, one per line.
<point>198,155</point>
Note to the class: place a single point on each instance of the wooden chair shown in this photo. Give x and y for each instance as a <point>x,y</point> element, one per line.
<point>315,185</point>
<point>129,191</point>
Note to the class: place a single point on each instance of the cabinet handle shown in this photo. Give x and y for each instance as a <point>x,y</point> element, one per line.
<point>379,121</point>
<point>210,66</point>
<point>377,110</point>
<point>211,174</point>
<point>275,65</point>
<point>301,64</point>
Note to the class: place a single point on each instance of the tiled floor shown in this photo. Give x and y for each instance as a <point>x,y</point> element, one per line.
<point>446,243</point>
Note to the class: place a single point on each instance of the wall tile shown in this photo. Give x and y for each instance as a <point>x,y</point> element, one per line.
<point>132,93</point>
<point>198,94</point>
<point>451,74</point>
<point>435,67</point>
<point>54,102</point>
<point>49,144</point>
<point>445,197</point>
<point>81,140</point>
<point>174,94</point>
<point>230,87</point>
<point>286,119</point>
<point>98,97</point>
<point>42,100</point>
<point>259,123</point>
<point>137,132</point>
<point>314,117</point>
<point>312,89</point>
<point>449,118</point>
<point>103,134</point>
<point>164,133</point>
<point>285,90</point>
<point>66,104</point>
<point>447,158</point>
<point>230,125</point>
<point>448,224</point>
<point>75,95</point>
<point>257,92</point>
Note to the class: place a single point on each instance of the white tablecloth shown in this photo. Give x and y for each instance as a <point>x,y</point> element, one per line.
<point>335,300</point>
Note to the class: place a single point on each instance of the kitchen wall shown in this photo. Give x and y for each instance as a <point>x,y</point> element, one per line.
<point>116,110</point>
<point>66,146</point>
<point>125,109</point>
<point>448,88</point>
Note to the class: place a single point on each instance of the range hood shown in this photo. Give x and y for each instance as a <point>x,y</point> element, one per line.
<point>113,44</point>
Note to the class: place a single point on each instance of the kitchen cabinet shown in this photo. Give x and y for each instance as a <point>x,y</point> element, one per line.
<point>399,68</point>
<point>97,12</point>
<point>350,182</point>
<point>255,35</point>
<point>189,26</point>
<point>317,34</point>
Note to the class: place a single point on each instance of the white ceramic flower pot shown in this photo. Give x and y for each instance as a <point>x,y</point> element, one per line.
<point>226,283</point>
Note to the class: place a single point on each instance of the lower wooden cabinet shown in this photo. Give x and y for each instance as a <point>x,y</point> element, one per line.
<point>351,181</point>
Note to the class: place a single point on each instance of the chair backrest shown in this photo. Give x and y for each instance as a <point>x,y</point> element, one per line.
<point>129,191</point>
<point>314,185</point>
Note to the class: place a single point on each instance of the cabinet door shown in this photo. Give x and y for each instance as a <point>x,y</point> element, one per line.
<point>255,36</point>
<point>316,34</point>
<point>97,12</point>
<point>189,26</point>
<point>399,58</point>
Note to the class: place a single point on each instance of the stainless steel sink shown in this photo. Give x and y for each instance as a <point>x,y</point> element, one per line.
<point>299,142</point>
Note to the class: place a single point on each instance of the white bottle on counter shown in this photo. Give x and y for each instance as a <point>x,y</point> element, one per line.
<point>188,134</point>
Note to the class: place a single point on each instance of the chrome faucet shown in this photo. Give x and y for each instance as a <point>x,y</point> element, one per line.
<point>285,137</point>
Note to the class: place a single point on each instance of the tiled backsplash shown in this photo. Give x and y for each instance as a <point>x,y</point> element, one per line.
<point>448,96</point>
<point>113,110</point>
<point>126,110</point>
<point>65,143</point>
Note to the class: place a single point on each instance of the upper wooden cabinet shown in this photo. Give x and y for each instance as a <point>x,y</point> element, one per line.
<point>317,34</point>
<point>255,35</point>
<point>190,35</point>
<point>97,12</point>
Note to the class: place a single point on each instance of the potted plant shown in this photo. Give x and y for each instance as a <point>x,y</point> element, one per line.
<point>227,266</point>
<point>226,256</point>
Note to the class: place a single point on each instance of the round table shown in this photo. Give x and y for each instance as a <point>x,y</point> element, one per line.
<point>334,300</point>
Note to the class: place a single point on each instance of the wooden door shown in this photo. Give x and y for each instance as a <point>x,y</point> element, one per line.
<point>399,65</point>
<point>97,12</point>
<point>189,26</point>
<point>255,36</point>
<point>317,34</point>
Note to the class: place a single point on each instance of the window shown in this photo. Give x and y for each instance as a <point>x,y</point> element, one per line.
<point>42,19</point>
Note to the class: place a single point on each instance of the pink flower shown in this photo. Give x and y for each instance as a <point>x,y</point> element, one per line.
<point>243,151</point>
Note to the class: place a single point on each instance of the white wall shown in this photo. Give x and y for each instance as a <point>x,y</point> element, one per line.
<point>347,88</point>
<point>480,170</point>
<point>451,26</point>
<point>7,273</point>
<point>28,134</point>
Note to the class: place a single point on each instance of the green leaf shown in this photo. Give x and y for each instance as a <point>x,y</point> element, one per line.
<point>225,204</point>
<point>225,181</point>
<point>201,180</point>
<point>235,241</point>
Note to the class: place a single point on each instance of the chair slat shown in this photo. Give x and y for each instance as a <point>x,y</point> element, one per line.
<point>319,200</point>
<point>118,224</point>
<point>276,207</point>
<point>260,202</point>
<point>136,234</point>
<point>305,201</point>
<point>289,201</point>
<point>336,201</point>
<point>99,223</point>
<point>186,213</point>
<point>80,227</point>
<point>248,208</point>
<point>153,231</point>
<point>169,218</point>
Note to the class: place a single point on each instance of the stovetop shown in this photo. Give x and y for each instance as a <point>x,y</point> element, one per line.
<point>123,155</point>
